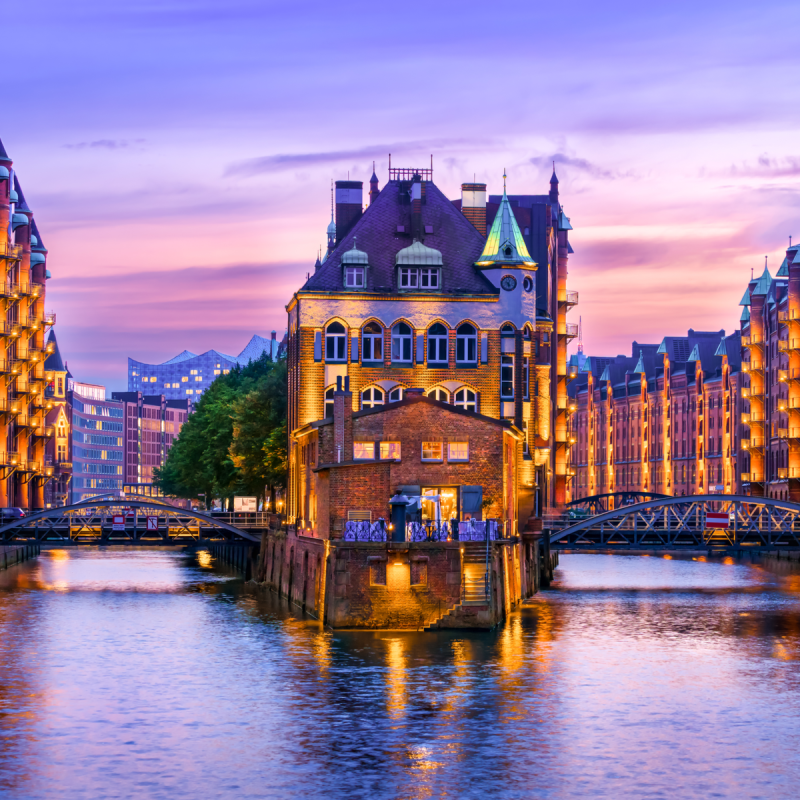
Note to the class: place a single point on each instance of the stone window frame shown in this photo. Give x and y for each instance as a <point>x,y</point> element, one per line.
<point>465,401</point>
<point>399,340</point>
<point>338,341</point>
<point>377,397</point>
<point>438,342</point>
<point>370,337</point>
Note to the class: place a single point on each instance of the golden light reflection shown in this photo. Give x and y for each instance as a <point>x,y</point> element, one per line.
<point>396,661</point>
<point>728,561</point>
<point>667,557</point>
<point>204,558</point>
<point>59,555</point>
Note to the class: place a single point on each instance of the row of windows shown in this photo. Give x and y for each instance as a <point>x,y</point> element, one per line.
<point>95,424</point>
<point>431,451</point>
<point>372,342</point>
<point>97,438</point>
<point>95,483</point>
<point>99,469</point>
<point>98,411</point>
<point>374,396</point>
<point>407,277</point>
<point>99,455</point>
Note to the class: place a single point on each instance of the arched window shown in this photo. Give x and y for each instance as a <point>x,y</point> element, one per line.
<point>328,401</point>
<point>396,394</point>
<point>439,394</point>
<point>507,330</point>
<point>466,344</point>
<point>371,397</point>
<point>335,342</point>
<point>401,342</point>
<point>372,343</point>
<point>466,398</point>
<point>437,344</point>
<point>526,333</point>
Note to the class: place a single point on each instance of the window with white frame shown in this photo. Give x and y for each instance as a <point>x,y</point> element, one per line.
<point>432,451</point>
<point>466,398</point>
<point>401,342</point>
<point>396,394</point>
<point>507,330</point>
<point>328,401</point>
<point>466,344</point>
<point>507,377</point>
<point>335,342</point>
<point>408,278</point>
<point>372,343</point>
<point>439,394</point>
<point>437,344</point>
<point>418,278</point>
<point>390,450</point>
<point>458,451</point>
<point>428,278</point>
<point>354,277</point>
<point>371,397</point>
<point>363,451</point>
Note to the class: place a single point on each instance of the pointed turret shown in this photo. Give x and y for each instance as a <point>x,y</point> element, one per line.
<point>554,186</point>
<point>639,368</point>
<point>331,232</point>
<point>763,284</point>
<point>374,191</point>
<point>745,301</point>
<point>504,244</point>
<point>721,350</point>
<point>4,159</point>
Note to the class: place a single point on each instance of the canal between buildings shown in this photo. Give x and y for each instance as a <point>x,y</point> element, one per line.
<point>150,674</point>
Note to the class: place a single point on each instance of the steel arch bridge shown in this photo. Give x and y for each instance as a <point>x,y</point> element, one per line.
<point>92,522</point>
<point>597,503</point>
<point>677,523</point>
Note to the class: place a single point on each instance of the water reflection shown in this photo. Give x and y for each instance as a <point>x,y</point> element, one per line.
<point>156,673</point>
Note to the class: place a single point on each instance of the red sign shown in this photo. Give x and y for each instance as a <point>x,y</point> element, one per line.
<point>152,523</point>
<point>119,523</point>
<point>717,519</point>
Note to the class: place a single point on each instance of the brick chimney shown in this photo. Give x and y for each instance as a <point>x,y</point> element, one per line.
<point>342,421</point>
<point>349,206</point>
<point>416,208</point>
<point>473,204</point>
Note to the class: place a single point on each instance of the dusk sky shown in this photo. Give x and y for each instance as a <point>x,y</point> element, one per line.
<point>178,155</point>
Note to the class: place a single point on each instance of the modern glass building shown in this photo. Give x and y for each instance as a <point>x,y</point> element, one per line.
<point>187,375</point>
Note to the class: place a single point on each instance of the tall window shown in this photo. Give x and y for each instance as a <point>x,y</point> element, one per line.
<point>437,344</point>
<point>371,397</point>
<point>335,342</point>
<point>507,377</point>
<point>439,394</point>
<point>507,330</point>
<point>466,398</point>
<point>466,344</point>
<point>526,386</point>
<point>328,402</point>
<point>372,343</point>
<point>401,342</point>
<point>408,278</point>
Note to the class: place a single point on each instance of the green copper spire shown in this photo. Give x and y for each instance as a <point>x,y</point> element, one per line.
<point>745,315</point>
<point>694,355</point>
<point>639,368</point>
<point>504,244</point>
<point>606,376</point>
<point>764,282</point>
<point>746,299</point>
<point>721,350</point>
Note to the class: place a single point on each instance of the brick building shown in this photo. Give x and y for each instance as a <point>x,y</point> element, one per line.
<point>414,293</point>
<point>702,413</point>
<point>23,405</point>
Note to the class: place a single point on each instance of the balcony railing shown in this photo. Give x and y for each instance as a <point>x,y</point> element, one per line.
<point>571,330</point>
<point>44,431</point>
<point>9,290</point>
<point>745,477</point>
<point>9,459</point>
<point>783,375</point>
<point>571,298</point>
<point>783,433</point>
<point>783,346</point>
<point>30,289</point>
<point>50,318</point>
<point>745,418</point>
<point>10,250</point>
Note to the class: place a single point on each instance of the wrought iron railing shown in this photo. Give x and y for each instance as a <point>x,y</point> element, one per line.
<point>362,530</point>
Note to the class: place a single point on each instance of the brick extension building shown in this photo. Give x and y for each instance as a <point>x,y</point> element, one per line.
<point>413,293</point>
<point>702,413</point>
<point>23,405</point>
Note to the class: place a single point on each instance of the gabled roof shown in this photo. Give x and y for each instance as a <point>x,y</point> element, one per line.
<point>639,368</point>
<point>783,271</point>
<point>21,204</point>
<point>454,236</point>
<point>563,221</point>
<point>504,244</point>
<point>721,351</point>
<point>606,376</point>
<point>695,354</point>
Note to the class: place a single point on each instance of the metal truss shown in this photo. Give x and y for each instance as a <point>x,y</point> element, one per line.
<point>91,522</point>
<point>597,503</point>
<point>680,522</point>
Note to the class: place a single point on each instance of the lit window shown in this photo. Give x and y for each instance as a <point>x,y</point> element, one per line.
<point>390,450</point>
<point>218,366</point>
<point>431,451</point>
<point>354,277</point>
<point>373,396</point>
<point>466,398</point>
<point>372,343</point>
<point>458,451</point>
<point>401,342</point>
<point>335,349</point>
<point>507,377</point>
<point>437,344</point>
<point>439,394</point>
<point>225,371</point>
<point>216,372</point>
<point>396,394</point>
<point>193,372</point>
<point>190,391</point>
<point>199,378</point>
<point>185,379</point>
<point>363,451</point>
<point>526,385</point>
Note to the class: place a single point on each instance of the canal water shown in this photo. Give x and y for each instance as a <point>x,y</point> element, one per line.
<point>152,674</point>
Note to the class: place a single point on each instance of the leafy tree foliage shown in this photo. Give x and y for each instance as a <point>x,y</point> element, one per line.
<point>235,441</point>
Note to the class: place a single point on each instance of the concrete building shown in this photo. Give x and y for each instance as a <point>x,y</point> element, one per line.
<point>23,404</point>
<point>414,293</point>
<point>187,375</point>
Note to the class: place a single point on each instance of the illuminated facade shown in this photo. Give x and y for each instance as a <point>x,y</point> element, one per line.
<point>413,293</point>
<point>58,450</point>
<point>24,432</point>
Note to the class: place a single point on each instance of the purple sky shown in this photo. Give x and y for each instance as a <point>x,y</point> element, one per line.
<point>178,155</point>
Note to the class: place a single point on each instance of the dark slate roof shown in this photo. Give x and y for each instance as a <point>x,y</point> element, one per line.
<point>21,204</point>
<point>35,232</point>
<point>54,361</point>
<point>3,154</point>
<point>376,233</point>
<point>733,348</point>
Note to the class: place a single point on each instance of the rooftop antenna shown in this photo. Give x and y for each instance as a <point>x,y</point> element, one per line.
<point>790,241</point>
<point>580,335</point>
<point>504,180</point>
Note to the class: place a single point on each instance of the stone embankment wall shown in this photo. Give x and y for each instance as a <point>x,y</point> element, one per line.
<point>16,554</point>
<point>395,585</point>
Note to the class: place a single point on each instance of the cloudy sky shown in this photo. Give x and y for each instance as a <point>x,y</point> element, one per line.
<point>178,154</point>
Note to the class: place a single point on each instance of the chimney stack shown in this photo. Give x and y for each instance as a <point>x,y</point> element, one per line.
<point>473,204</point>
<point>343,420</point>
<point>349,206</point>
<point>416,208</point>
